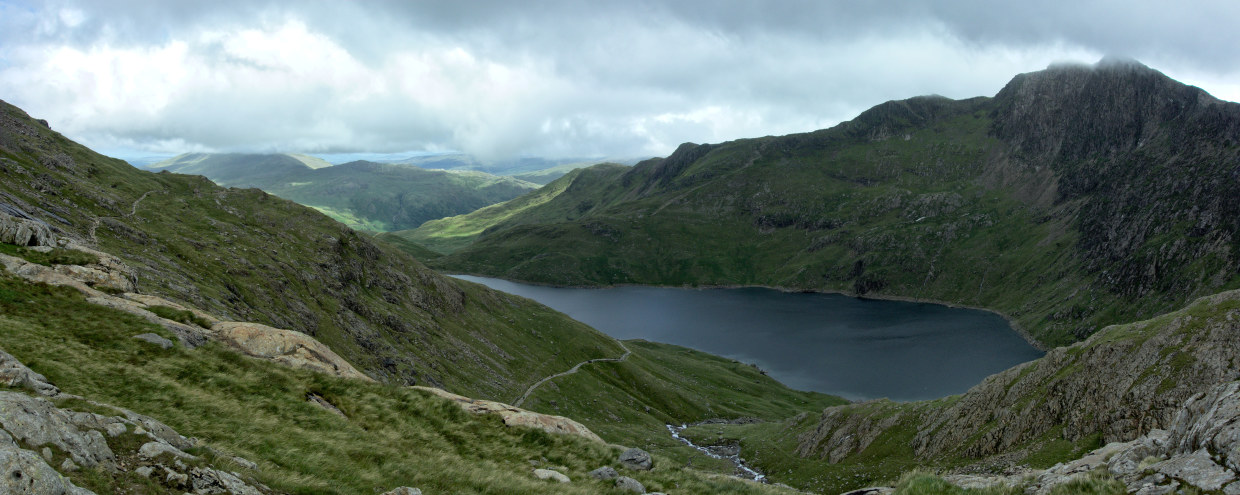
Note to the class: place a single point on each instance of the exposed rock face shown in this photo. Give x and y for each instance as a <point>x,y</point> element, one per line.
<point>404,490</point>
<point>513,416</point>
<point>284,346</point>
<point>844,431</point>
<point>25,472</point>
<point>37,423</point>
<point>25,231</point>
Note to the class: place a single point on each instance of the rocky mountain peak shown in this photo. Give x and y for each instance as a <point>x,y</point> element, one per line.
<point>1073,112</point>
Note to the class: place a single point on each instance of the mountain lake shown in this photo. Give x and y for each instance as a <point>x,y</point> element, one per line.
<point>855,348</point>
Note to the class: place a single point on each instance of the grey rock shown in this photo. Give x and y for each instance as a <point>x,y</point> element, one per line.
<point>145,471</point>
<point>47,454</point>
<point>155,339</point>
<point>116,429</point>
<point>211,481</point>
<point>547,474</point>
<point>1232,489</point>
<point>25,232</point>
<point>604,473</point>
<point>146,425</point>
<point>38,422</point>
<point>1211,420</point>
<point>1157,489</point>
<point>636,459</point>
<point>176,479</point>
<point>245,463</point>
<point>404,490</point>
<point>626,483</point>
<point>1196,469</point>
<point>26,473</point>
<point>68,465</point>
<point>151,450</point>
<point>15,374</point>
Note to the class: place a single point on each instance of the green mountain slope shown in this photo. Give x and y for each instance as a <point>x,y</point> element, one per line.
<point>245,255</point>
<point>363,195</point>
<point>249,256</point>
<point>382,437</point>
<point>1077,197</point>
<point>450,234</point>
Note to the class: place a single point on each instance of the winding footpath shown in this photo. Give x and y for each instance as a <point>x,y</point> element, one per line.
<point>574,369</point>
<point>133,210</point>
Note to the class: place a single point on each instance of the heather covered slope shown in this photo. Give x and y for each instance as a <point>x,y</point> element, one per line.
<point>1078,196</point>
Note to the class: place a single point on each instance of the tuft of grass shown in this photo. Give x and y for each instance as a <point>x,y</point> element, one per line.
<point>922,483</point>
<point>179,315</point>
<point>57,256</point>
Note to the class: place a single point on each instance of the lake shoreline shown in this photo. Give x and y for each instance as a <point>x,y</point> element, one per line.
<point>1015,326</point>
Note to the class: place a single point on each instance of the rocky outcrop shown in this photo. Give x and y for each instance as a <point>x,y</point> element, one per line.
<point>284,346</point>
<point>847,430</point>
<point>28,473</point>
<point>15,374</point>
<point>29,425</point>
<point>25,231</point>
<point>513,416</point>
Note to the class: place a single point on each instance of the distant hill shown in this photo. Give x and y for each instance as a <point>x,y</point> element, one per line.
<point>364,195</point>
<point>1078,196</point>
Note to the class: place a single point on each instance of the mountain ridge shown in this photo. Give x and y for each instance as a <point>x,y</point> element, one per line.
<point>1065,182</point>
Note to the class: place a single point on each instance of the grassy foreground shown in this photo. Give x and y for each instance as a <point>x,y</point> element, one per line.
<point>391,435</point>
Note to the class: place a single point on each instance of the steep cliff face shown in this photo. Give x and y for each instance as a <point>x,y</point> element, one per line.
<point>1150,164</point>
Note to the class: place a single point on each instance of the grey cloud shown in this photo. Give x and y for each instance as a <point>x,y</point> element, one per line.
<point>616,78</point>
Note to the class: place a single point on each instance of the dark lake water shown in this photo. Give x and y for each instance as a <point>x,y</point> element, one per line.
<point>855,348</point>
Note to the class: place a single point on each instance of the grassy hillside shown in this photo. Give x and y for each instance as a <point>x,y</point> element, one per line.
<point>363,195</point>
<point>1062,202</point>
<point>453,233</point>
<point>248,256</point>
<point>388,436</point>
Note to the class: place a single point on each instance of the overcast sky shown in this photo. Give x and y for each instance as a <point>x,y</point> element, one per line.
<point>554,79</point>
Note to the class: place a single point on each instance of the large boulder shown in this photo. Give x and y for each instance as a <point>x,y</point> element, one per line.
<point>547,474</point>
<point>636,459</point>
<point>284,346</point>
<point>627,484</point>
<point>514,416</point>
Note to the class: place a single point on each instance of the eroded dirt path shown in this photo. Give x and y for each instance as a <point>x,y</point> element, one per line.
<point>572,370</point>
